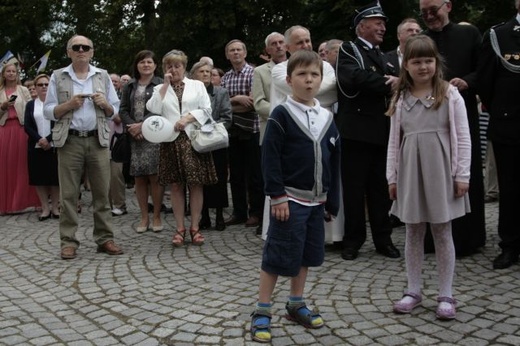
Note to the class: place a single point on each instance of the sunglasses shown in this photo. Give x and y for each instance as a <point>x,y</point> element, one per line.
<point>77,47</point>
<point>41,85</point>
<point>432,11</point>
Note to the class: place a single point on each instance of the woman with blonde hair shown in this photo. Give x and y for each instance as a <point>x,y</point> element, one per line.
<point>16,195</point>
<point>184,102</point>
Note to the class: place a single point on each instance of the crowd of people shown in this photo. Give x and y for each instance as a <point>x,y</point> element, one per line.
<point>319,144</point>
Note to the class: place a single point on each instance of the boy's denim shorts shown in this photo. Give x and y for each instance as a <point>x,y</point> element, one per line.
<point>295,243</point>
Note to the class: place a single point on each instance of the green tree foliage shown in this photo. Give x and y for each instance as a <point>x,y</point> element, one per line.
<point>120,28</point>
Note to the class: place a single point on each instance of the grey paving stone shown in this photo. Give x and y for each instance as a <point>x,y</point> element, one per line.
<point>157,295</point>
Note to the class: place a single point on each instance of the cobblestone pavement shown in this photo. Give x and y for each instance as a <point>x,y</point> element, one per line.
<point>157,295</point>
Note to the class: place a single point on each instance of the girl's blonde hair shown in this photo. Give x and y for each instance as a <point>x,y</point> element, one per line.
<point>421,46</point>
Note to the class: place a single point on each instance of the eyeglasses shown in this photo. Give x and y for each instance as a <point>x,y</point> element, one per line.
<point>41,85</point>
<point>77,47</point>
<point>432,11</point>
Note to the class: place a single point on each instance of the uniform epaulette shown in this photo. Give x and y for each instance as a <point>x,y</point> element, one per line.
<point>498,25</point>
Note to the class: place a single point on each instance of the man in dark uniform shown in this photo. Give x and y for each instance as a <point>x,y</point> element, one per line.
<point>460,46</point>
<point>365,80</point>
<point>499,89</point>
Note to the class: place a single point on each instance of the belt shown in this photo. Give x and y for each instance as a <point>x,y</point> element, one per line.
<point>83,133</point>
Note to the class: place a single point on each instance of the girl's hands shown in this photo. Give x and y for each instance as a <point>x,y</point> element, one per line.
<point>461,189</point>
<point>392,191</point>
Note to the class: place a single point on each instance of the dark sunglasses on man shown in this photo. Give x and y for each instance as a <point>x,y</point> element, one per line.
<point>77,47</point>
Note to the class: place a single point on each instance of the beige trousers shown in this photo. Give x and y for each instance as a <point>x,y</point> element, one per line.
<point>77,154</point>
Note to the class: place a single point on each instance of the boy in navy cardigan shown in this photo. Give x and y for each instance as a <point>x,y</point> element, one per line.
<point>300,165</point>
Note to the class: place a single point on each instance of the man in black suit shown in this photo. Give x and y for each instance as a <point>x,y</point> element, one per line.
<point>499,88</point>
<point>407,28</point>
<point>460,45</point>
<point>365,80</point>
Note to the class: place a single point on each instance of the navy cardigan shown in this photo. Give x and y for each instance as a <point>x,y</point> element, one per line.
<point>295,164</point>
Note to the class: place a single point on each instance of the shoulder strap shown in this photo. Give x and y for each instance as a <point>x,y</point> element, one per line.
<point>494,43</point>
<point>359,59</point>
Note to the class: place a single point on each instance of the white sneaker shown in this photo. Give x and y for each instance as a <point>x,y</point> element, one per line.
<point>118,212</point>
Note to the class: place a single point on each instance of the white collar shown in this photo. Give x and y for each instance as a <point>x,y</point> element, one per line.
<point>305,108</point>
<point>370,45</point>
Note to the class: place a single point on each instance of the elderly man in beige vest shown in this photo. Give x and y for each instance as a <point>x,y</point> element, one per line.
<point>81,99</point>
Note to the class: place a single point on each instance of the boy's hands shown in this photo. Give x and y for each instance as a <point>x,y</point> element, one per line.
<point>281,211</point>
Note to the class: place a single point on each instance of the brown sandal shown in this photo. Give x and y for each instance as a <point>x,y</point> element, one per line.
<point>197,238</point>
<point>178,238</point>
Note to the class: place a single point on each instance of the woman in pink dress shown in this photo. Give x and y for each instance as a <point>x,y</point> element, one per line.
<point>15,193</point>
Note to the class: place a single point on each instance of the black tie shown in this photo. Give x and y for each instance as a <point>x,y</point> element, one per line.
<point>379,55</point>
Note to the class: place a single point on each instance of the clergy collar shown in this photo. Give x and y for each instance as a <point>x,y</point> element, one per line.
<point>443,29</point>
<point>518,17</point>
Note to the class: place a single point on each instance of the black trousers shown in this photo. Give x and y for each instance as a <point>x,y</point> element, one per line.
<point>363,172</point>
<point>508,173</point>
<point>245,174</point>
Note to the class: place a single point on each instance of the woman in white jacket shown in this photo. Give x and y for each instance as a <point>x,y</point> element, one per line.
<point>184,102</point>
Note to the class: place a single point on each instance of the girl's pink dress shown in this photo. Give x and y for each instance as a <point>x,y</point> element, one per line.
<point>16,195</point>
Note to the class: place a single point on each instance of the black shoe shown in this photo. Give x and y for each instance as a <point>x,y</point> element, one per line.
<point>505,260</point>
<point>389,250</point>
<point>204,223</point>
<point>349,253</point>
<point>395,222</point>
<point>168,210</point>
<point>43,218</point>
<point>220,225</point>
<point>234,220</point>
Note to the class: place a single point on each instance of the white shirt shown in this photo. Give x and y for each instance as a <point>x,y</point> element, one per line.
<point>84,118</point>
<point>314,118</point>
<point>327,95</point>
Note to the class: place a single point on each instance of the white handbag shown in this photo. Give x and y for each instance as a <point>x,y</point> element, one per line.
<point>209,137</point>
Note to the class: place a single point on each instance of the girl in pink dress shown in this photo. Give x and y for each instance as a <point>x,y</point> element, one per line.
<point>428,168</point>
<point>16,195</point>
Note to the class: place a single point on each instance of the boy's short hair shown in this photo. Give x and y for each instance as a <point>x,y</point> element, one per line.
<point>304,57</point>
